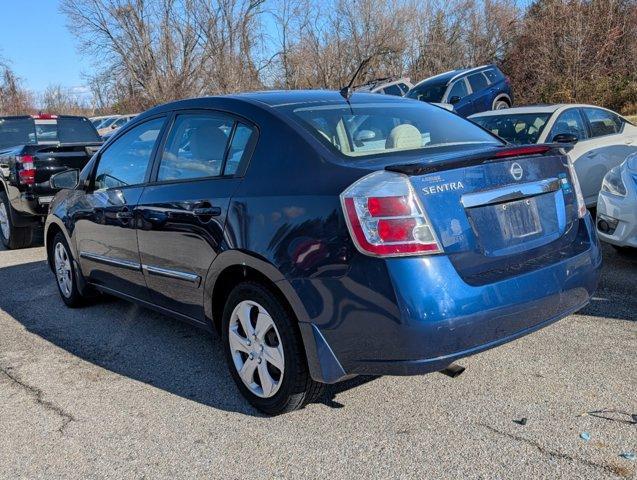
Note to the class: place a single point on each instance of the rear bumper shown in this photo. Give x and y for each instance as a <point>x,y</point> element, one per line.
<point>416,315</point>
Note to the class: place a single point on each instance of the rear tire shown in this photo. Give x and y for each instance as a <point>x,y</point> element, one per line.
<point>261,339</point>
<point>64,270</point>
<point>500,104</point>
<point>12,237</point>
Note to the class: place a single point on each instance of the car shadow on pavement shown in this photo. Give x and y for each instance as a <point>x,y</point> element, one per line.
<point>616,295</point>
<point>131,341</point>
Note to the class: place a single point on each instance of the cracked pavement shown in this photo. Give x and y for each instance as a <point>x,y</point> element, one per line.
<point>116,391</point>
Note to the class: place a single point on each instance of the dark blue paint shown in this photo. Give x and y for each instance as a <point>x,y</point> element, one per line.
<point>282,217</point>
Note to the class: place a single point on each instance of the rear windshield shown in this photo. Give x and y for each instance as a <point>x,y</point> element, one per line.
<point>27,131</point>
<point>379,128</point>
<point>430,91</point>
<point>515,128</point>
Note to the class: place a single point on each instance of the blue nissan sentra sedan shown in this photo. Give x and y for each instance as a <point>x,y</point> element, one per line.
<point>326,237</point>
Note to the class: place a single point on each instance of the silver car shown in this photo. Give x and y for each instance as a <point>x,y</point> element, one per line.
<point>601,138</point>
<point>617,205</point>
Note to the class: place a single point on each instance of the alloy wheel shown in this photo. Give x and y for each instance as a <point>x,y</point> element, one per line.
<point>63,270</point>
<point>4,221</point>
<point>257,352</point>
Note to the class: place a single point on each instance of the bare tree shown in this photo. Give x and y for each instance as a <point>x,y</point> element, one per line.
<point>14,98</point>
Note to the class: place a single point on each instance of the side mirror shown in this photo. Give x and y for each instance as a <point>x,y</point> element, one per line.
<point>68,179</point>
<point>565,138</point>
<point>365,135</point>
<point>455,99</point>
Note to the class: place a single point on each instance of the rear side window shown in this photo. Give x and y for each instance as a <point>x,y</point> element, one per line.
<point>76,130</point>
<point>126,160</point>
<point>478,82</point>
<point>238,146</point>
<point>569,122</point>
<point>493,75</point>
<point>603,122</point>
<point>202,145</point>
<point>515,128</point>
<point>375,128</point>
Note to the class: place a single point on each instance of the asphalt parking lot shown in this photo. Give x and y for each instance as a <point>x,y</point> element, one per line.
<point>116,391</point>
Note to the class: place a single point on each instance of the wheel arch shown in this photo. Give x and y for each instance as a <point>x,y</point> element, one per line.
<point>501,96</point>
<point>52,227</point>
<point>233,267</point>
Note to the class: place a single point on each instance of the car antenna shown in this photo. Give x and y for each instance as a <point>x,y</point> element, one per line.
<point>346,92</point>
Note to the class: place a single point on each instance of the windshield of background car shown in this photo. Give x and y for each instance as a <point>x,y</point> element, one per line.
<point>428,92</point>
<point>379,128</point>
<point>515,128</point>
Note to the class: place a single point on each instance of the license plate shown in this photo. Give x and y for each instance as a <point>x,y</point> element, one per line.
<point>519,219</point>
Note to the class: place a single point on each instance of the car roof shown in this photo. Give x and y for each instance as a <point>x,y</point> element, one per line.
<point>552,108</point>
<point>278,98</point>
<point>447,77</point>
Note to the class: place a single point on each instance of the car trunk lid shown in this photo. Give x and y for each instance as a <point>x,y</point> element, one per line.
<point>501,210</point>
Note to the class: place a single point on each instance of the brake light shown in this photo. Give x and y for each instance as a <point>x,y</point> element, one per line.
<point>581,205</point>
<point>519,151</point>
<point>26,169</point>
<point>385,217</point>
<point>44,116</point>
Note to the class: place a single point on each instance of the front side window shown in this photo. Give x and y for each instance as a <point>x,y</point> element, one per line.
<point>603,122</point>
<point>569,122</point>
<point>393,90</point>
<point>429,91</point>
<point>515,128</point>
<point>478,82</point>
<point>375,128</point>
<point>459,89</point>
<point>126,160</point>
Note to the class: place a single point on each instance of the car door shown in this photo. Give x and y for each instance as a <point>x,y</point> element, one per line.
<point>184,209</point>
<point>104,216</point>
<point>605,149</point>
<point>458,96</point>
<point>480,92</point>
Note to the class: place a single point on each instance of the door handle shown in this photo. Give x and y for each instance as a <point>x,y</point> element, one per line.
<point>207,211</point>
<point>629,142</point>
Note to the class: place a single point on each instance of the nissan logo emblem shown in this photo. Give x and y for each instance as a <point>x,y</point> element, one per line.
<point>516,171</point>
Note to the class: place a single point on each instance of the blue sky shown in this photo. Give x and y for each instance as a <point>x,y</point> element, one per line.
<point>39,47</point>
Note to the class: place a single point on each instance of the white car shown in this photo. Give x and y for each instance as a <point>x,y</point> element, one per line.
<point>617,205</point>
<point>389,86</point>
<point>601,138</point>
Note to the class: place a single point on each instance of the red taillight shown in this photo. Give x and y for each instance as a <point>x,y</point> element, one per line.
<point>26,169</point>
<point>519,151</point>
<point>388,206</point>
<point>396,229</point>
<point>386,218</point>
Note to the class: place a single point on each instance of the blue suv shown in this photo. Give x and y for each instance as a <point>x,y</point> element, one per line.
<point>326,237</point>
<point>470,90</point>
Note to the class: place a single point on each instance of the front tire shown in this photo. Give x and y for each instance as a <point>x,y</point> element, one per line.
<point>264,351</point>
<point>64,271</point>
<point>12,237</point>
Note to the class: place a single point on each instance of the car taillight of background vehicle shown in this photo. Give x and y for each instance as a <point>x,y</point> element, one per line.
<point>26,169</point>
<point>581,205</point>
<point>385,217</point>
